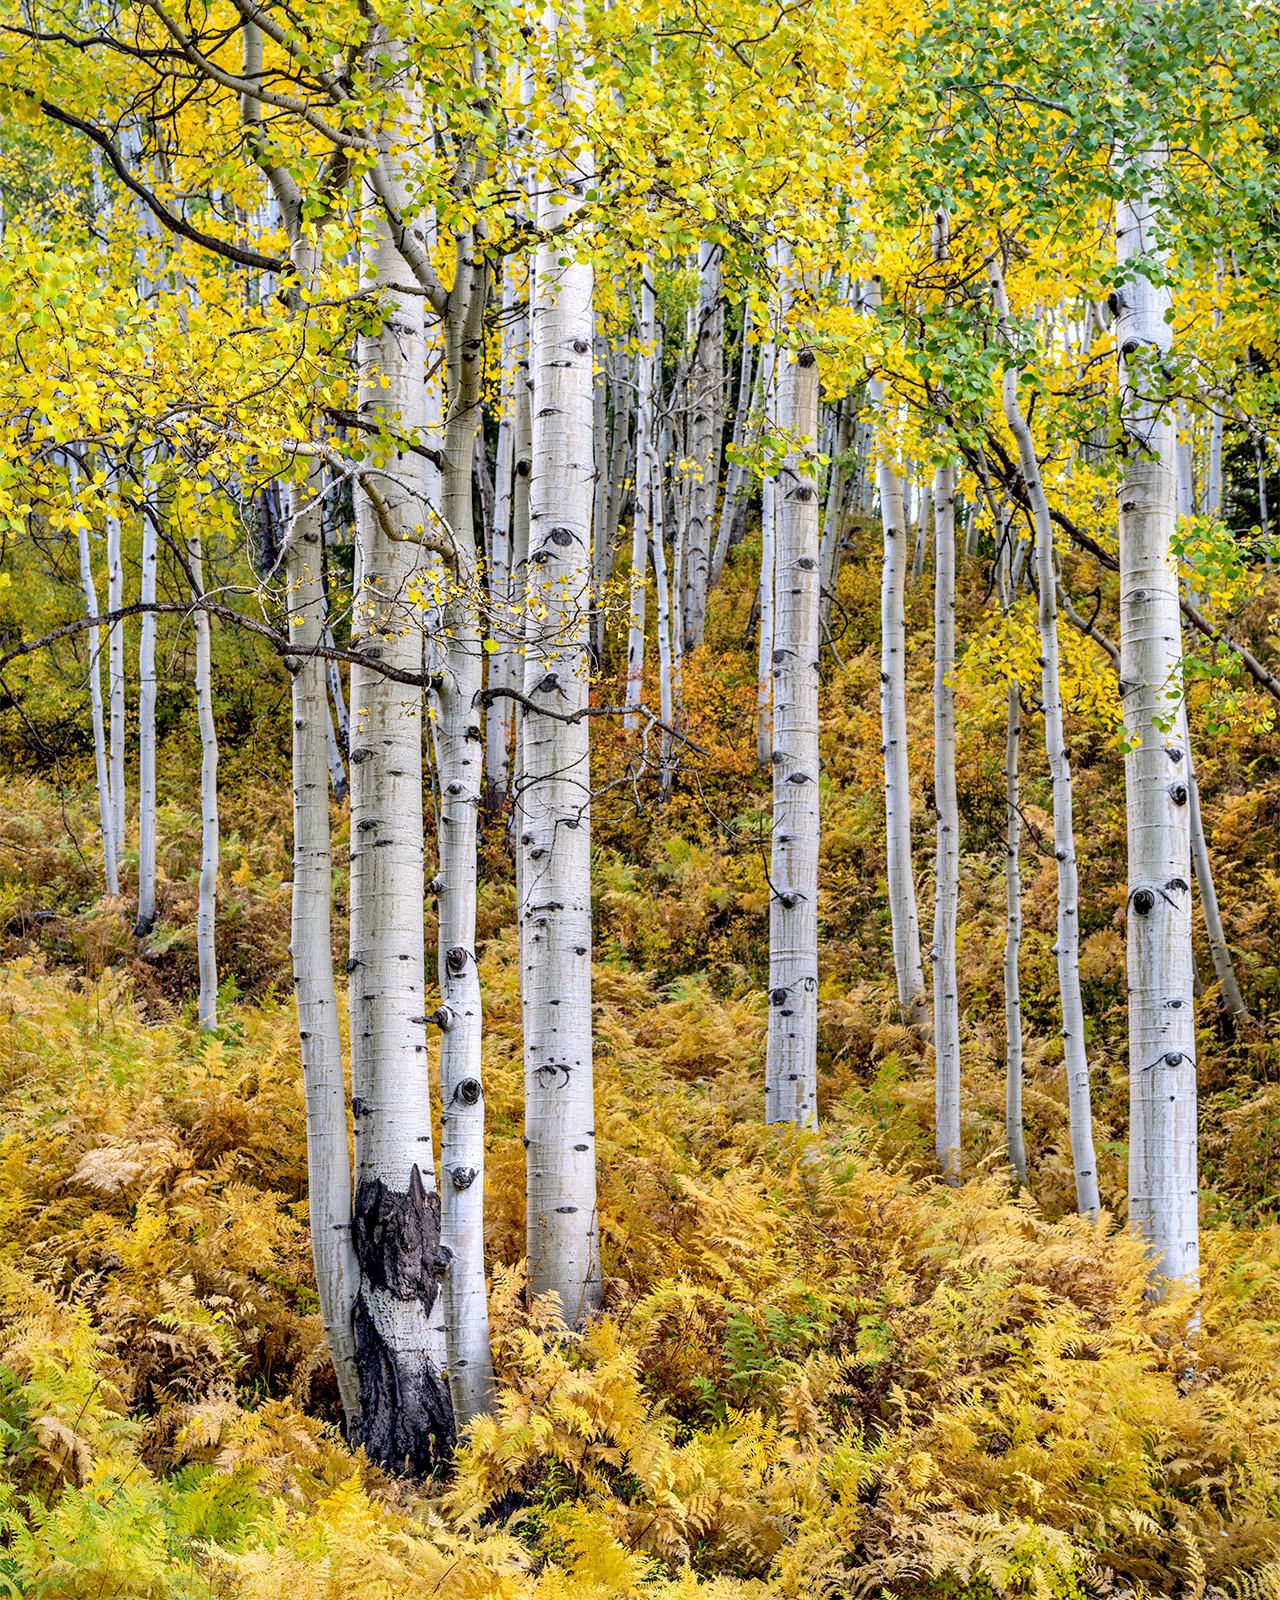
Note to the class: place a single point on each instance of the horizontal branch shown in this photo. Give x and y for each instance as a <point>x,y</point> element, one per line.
<point>1253,666</point>
<point>486,697</point>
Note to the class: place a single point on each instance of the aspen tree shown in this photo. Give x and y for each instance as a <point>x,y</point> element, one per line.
<point>100,762</point>
<point>946,1001</point>
<point>1163,1184</point>
<point>555,837</point>
<point>147,718</point>
<point>905,919</point>
<point>706,385</point>
<point>791,1057</point>
<point>1067,943</point>
<point>737,483</point>
<point>499,714</point>
<point>768,525</point>
<point>640,511</point>
<point>1013,1131</point>
<point>115,682</point>
<point>206,914</point>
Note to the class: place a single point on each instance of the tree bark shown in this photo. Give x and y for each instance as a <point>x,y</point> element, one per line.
<point>1223,969</point>
<point>706,383</point>
<point>100,764</point>
<point>206,913</point>
<point>1163,1183</point>
<point>737,485</point>
<point>116,684</point>
<point>498,717</point>
<point>640,513</point>
<point>791,1057</point>
<point>147,720</point>
<point>946,1004</point>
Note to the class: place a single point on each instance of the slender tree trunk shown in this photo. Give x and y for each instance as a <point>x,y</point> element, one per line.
<point>640,515</point>
<point>1163,1183</point>
<point>706,382</point>
<point>147,721</point>
<point>90,591</point>
<point>658,558</point>
<point>460,753</point>
<point>115,684</point>
<point>206,913</point>
<point>563,1229</point>
<point>922,531</point>
<point>333,754</point>
<point>768,535</point>
<point>1067,944</point>
<point>1012,944</point>
<point>791,1058</point>
<point>498,717</point>
<point>837,493</point>
<point>946,1003</point>
<point>328,1164</point>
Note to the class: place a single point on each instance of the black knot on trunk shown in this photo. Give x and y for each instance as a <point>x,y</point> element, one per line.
<point>1178,793</point>
<point>806,358</point>
<point>406,1413</point>
<point>468,1091</point>
<point>777,997</point>
<point>805,563</point>
<point>456,961</point>
<point>1144,902</point>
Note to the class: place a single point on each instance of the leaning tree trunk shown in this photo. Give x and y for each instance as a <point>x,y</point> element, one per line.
<point>206,912</point>
<point>1163,1183</point>
<point>791,1056</point>
<point>946,1003</point>
<point>1225,973</point>
<point>406,1416</point>
<point>1067,944</point>
<point>147,721</point>
<point>555,912</point>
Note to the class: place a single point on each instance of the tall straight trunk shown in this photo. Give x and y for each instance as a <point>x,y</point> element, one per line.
<point>640,514</point>
<point>206,913</point>
<point>115,684</point>
<point>1224,971</point>
<point>460,754</point>
<point>1067,944</point>
<point>147,720</point>
<point>922,531</point>
<point>498,717</point>
<point>706,382</point>
<point>946,1001</point>
<point>1211,497</point>
<point>406,1416</point>
<point>768,524</point>
<point>333,754</point>
<point>328,1163</point>
<point>665,621</point>
<point>600,494</point>
<point>619,460</point>
<point>737,483</point>
<point>555,912</point>
<point>101,774</point>
<point>1012,943</point>
<point>1163,1183</point>
<point>838,488</point>
<point>791,1056</point>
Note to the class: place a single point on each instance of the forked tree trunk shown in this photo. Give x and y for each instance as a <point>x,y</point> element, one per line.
<point>791,1058</point>
<point>1163,1183</point>
<point>946,1002</point>
<point>555,913</point>
<point>1067,944</point>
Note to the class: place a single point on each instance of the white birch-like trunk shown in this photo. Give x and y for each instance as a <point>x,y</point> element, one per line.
<point>206,911</point>
<point>1013,943</point>
<point>658,558</point>
<point>1223,969</point>
<point>904,916</point>
<point>837,499</point>
<point>768,526</point>
<point>640,514</point>
<point>115,684</point>
<point>101,774</point>
<point>328,1163</point>
<point>706,383</point>
<point>1163,1182</point>
<point>498,716</point>
<point>1067,944</point>
<point>333,754</point>
<point>791,1057</point>
<point>922,531</point>
<point>555,913</point>
<point>946,1001</point>
<point>147,720</point>
<point>406,1415</point>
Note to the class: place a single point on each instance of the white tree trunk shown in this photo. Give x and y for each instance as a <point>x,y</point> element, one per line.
<point>658,558</point>
<point>406,1416</point>
<point>791,1058</point>
<point>498,716</point>
<point>563,1228</point>
<point>946,1002</point>
<point>907,964</point>
<point>328,1164</point>
<point>706,382</point>
<point>147,721</point>
<point>768,527</point>
<point>1163,1183</point>
<point>115,683</point>
<point>1222,967</point>
<point>460,755</point>
<point>1012,944</point>
<point>206,912</point>
<point>1067,944</point>
<point>640,514</point>
<point>106,819</point>
<point>333,754</point>
<point>922,531</point>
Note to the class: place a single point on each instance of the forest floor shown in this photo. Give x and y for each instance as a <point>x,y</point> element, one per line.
<point>812,1376</point>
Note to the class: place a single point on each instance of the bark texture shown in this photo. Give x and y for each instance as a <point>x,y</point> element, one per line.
<point>946,1000</point>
